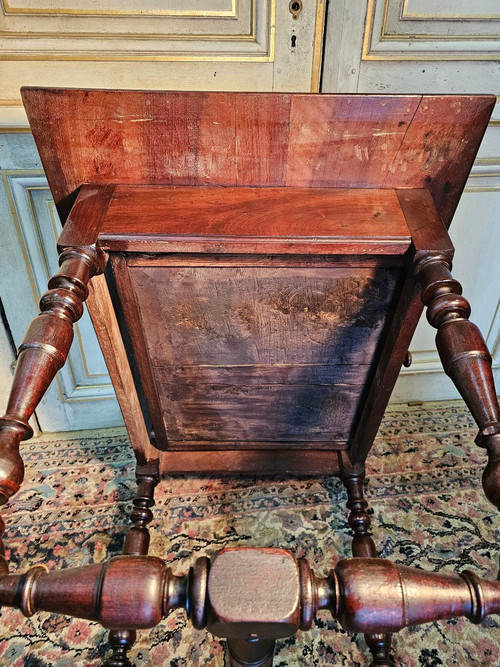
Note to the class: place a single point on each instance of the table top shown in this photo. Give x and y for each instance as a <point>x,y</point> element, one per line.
<point>257,139</point>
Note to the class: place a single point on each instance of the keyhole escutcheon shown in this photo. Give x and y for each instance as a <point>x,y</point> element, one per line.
<point>295,8</point>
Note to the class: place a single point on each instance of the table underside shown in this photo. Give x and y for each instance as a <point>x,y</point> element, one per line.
<point>260,325</point>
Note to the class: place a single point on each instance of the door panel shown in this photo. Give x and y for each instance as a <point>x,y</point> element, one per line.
<point>195,45</point>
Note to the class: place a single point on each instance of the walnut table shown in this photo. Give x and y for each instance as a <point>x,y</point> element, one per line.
<point>255,267</point>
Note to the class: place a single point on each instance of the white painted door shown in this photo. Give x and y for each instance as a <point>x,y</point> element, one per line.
<point>424,46</point>
<point>163,44</point>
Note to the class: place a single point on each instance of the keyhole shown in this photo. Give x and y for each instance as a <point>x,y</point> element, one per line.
<point>295,8</point>
<point>294,41</point>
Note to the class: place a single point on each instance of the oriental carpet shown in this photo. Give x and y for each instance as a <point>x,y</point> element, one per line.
<point>428,510</point>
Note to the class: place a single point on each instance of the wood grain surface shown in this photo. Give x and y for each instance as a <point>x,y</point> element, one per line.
<point>259,139</point>
<point>245,182</point>
<point>194,219</point>
<point>256,355</point>
<point>297,462</point>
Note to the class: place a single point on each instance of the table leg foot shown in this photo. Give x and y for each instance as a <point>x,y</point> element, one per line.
<point>253,652</point>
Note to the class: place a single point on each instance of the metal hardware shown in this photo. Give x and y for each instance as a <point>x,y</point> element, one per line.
<point>295,8</point>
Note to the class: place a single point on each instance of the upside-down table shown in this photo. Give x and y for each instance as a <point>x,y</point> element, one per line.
<point>255,267</point>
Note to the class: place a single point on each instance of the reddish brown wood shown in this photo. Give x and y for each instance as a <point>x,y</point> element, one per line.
<point>387,367</point>
<point>379,596</point>
<point>105,321</point>
<point>137,540</point>
<point>346,142</point>
<point>237,596</point>
<point>41,354</point>
<point>263,332</point>
<point>83,226</point>
<point>224,344</point>
<point>365,594</point>
<point>123,592</point>
<point>424,223</point>
<point>261,139</point>
<point>363,546</point>
<point>465,357</point>
<point>254,260</point>
<point>297,462</point>
<point>445,130</point>
<point>125,303</point>
<point>428,233</point>
<point>136,544</point>
<point>242,219</point>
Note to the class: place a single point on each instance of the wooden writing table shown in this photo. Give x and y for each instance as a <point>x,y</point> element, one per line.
<point>255,266</point>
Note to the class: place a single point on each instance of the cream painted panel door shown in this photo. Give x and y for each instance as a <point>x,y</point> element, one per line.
<point>160,44</point>
<point>424,46</point>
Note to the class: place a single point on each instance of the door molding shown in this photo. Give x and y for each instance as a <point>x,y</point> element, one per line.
<point>394,33</point>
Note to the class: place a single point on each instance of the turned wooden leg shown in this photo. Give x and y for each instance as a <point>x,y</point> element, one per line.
<point>121,641</point>
<point>465,357</point>
<point>136,544</point>
<point>42,353</point>
<point>363,546</point>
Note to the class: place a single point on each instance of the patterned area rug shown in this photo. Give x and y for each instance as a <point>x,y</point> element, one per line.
<point>428,511</point>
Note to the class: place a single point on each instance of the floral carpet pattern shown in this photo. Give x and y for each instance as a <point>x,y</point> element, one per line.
<point>428,510</point>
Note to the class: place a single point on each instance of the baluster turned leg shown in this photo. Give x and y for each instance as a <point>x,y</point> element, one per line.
<point>41,354</point>
<point>465,357</point>
<point>136,544</point>
<point>363,546</point>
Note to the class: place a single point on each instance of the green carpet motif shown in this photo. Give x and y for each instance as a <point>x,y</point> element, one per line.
<point>428,510</point>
